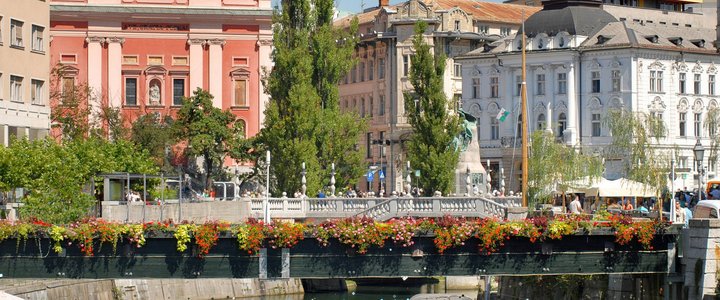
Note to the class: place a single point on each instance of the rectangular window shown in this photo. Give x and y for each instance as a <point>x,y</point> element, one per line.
<point>68,87</point>
<point>696,86</point>
<point>457,70</point>
<point>362,107</point>
<point>382,144</point>
<point>362,71</point>
<point>368,145</point>
<point>381,68</point>
<point>711,85</point>
<point>518,85</point>
<point>382,105</point>
<point>681,84</point>
<point>155,60</point>
<point>494,87</point>
<point>1,97</point>
<point>372,107</point>
<point>562,83</point>
<point>483,29</point>
<point>656,81</point>
<point>371,70</point>
<point>682,122</point>
<point>505,31</point>
<point>68,58</point>
<point>353,74</point>
<point>1,38</point>
<point>178,91</point>
<point>240,92</point>
<point>37,38</point>
<point>616,80</point>
<point>181,61</point>
<point>596,125</point>
<point>16,33</point>
<point>698,125</point>
<point>406,64</point>
<point>595,77</point>
<point>16,89</point>
<point>476,88</point>
<point>457,25</point>
<point>540,84</point>
<point>36,91</point>
<point>494,129</point>
<point>240,61</point>
<point>131,91</point>
<point>130,60</point>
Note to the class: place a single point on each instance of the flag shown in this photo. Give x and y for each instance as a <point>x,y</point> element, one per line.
<point>502,115</point>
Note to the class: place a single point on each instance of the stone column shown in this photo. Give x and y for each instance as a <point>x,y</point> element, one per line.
<point>700,257</point>
<point>196,63</point>
<point>94,72</point>
<point>550,86</point>
<point>114,91</point>
<point>4,132</point>
<point>215,85</point>
<point>264,53</point>
<point>571,130</point>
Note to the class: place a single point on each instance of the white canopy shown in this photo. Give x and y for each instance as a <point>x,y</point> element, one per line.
<point>611,188</point>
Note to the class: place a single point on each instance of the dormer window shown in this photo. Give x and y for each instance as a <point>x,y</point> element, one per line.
<point>698,43</point>
<point>457,25</point>
<point>540,44</point>
<point>652,38</point>
<point>602,39</point>
<point>562,42</point>
<point>676,40</point>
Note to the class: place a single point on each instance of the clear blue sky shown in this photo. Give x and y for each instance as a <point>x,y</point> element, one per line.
<point>352,6</point>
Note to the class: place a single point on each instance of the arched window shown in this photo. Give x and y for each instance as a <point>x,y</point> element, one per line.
<point>562,124</point>
<point>519,126</point>
<point>541,122</point>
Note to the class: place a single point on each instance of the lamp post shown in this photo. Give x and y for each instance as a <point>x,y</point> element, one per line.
<point>699,152</point>
<point>672,189</point>
<point>266,209</point>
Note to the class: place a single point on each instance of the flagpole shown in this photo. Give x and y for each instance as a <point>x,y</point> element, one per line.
<point>523,100</point>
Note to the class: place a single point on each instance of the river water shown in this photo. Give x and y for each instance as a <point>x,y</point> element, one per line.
<point>383,294</point>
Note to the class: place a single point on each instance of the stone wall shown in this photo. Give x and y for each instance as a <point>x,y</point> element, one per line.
<point>700,258</point>
<point>230,211</point>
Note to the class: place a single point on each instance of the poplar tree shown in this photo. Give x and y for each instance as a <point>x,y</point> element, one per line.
<point>303,122</point>
<point>434,124</point>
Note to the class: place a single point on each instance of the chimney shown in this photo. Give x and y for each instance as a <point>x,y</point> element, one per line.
<point>384,3</point>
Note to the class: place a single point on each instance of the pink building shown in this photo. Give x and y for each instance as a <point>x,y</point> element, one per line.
<point>144,55</point>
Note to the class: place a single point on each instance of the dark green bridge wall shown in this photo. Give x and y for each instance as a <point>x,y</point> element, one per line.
<point>576,254</point>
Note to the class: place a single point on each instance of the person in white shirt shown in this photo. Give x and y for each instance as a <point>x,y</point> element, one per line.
<point>575,206</point>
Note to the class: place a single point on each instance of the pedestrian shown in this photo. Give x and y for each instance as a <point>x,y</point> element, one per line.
<point>576,206</point>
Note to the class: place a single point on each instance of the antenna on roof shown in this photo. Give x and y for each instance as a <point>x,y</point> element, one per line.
<point>362,5</point>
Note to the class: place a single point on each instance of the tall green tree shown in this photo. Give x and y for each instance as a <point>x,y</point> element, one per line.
<point>635,140</point>
<point>552,164</point>
<point>71,110</point>
<point>712,125</point>
<point>208,132</point>
<point>156,136</point>
<point>303,120</point>
<point>434,124</point>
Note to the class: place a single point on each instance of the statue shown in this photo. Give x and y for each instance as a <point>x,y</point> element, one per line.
<point>463,139</point>
<point>155,94</point>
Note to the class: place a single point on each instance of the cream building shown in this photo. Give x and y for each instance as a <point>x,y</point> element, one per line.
<point>24,69</point>
<point>374,87</point>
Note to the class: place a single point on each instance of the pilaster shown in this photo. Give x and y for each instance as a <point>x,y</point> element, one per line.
<point>265,50</point>
<point>215,71</point>
<point>571,130</point>
<point>114,90</point>
<point>94,71</point>
<point>196,63</point>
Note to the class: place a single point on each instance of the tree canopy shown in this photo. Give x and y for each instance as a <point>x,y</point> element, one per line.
<point>303,121</point>
<point>433,122</point>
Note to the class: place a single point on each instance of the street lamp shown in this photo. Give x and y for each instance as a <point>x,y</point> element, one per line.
<point>699,152</point>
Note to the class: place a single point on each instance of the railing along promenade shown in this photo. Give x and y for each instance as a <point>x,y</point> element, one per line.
<point>380,209</point>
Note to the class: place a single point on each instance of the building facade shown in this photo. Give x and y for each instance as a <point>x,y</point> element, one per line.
<point>374,87</point>
<point>578,71</point>
<point>143,56</point>
<point>24,70</point>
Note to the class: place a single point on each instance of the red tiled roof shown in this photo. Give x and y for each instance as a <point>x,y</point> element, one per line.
<point>480,10</point>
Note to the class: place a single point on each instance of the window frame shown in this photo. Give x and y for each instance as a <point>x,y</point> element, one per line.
<point>596,125</point>
<point>495,87</point>
<point>682,83</point>
<point>16,91</point>
<point>125,90</point>
<point>235,102</point>
<point>14,32</point>
<point>616,80</point>
<point>540,84</point>
<point>476,88</point>
<point>595,82</point>
<point>711,84</point>
<point>562,83</point>
<point>371,70</point>
<point>184,94</point>
<point>682,123</point>
<point>656,81</point>
<point>381,111</point>
<point>697,83</point>
<point>34,92</point>
<point>494,129</point>
<point>34,37</point>
<point>381,68</point>
<point>697,124</point>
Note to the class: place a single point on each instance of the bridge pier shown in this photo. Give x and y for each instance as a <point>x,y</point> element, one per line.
<point>700,258</point>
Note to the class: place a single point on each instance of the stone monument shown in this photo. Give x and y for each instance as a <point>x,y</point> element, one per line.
<point>467,143</point>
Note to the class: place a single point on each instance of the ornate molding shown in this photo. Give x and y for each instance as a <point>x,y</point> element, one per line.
<point>657,105</point>
<point>681,67</point>
<point>219,42</point>
<point>539,108</point>
<point>698,106</point>
<point>120,40</point>
<point>561,107</point>
<point>697,68</point>
<point>493,108</point>
<point>196,42</point>
<point>712,69</point>
<point>683,105</point>
<point>616,103</point>
<point>712,104</point>
<point>95,39</point>
<point>595,104</point>
<point>656,65</point>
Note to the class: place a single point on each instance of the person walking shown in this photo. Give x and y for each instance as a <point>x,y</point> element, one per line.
<point>576,206</point>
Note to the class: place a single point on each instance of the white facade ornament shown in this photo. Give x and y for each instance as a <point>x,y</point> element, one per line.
<point>595,64</point>
<point>475,110</point>
<point>616,103</point>
<point>683,105</point>
<point>657,105</point>
<point>712,104</point>
<point>615,63</point>
<point>656,65</point>
<point>697,68</point>
<point>493,108</point>
<point>561,107</point>
<point>681,67</point>
<point>476,70</point>
<point>595,104</point>
<point>539,108</point>
<point>697,106</point>
<point>712,69</point>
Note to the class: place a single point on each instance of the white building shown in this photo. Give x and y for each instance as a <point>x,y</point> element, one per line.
<point>374,87</point>
<point>582,60</point>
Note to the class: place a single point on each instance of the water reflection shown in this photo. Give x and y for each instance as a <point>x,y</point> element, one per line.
<point>381,294</point>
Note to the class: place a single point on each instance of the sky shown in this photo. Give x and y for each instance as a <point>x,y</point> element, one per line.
<point>352,6</point>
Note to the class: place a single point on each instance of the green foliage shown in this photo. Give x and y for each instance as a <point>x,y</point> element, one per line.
<point>303,122</point>
<point>635,139</point>
<point>712,125</point>
<point>70,111</point>
<point>434,125</point>
<point>552,164</point>
<point>207,130</point>
<point>54,175</point>
<point>154,136</point>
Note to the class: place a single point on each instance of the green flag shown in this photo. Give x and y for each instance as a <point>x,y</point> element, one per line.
<point>502,115</point>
